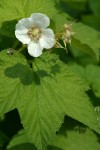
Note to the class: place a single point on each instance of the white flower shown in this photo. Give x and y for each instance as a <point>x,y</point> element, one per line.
<point>33,31</point>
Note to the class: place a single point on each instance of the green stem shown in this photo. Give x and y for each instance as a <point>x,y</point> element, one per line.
<point>22,48</point>
<point>15,44</point>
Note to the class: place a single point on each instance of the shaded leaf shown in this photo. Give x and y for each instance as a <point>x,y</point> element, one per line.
<point>75,137</point>
<point>93,77</point>
<point>88,37</point>
<point>20,142</point>
<point>92,20</point>
<point>95,6</point>
<point>90,74</point>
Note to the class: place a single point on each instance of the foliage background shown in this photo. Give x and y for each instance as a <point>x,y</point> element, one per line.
<point>79,117</point>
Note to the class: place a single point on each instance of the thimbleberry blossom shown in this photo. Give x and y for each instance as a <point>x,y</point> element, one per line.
<point>33,31</point>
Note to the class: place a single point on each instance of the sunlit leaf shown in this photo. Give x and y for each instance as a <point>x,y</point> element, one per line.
<point>43,94</point>
<point>11,11</point>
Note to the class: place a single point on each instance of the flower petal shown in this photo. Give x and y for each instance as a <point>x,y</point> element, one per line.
<point>21,30</point>
<point>24,23</point>
<point>22,36</point>
<point>35,49</point>
<point>47,39</point>
<point>40,20</point>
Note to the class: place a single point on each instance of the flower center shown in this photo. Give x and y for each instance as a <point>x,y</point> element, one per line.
<point>34,33</point>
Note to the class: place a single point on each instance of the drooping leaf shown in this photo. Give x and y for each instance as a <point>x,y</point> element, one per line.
<point>43,94</point>
<point>87,38</point>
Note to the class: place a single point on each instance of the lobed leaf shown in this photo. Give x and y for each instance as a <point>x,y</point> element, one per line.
<point>43,95</point>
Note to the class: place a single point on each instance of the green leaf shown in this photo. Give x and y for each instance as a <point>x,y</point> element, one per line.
<point>87,38</point>
<point>75,137</point>
<point>90,74</point>
<point>20,142</point>
<point>75,5</point>
<point>24,146</point>
<point>6,42</point>
<point>58,21</point>
<point>80,70</point>
<point>92,20</point>
<point>93,77</point>
<point>11,11</point>
<point>95,6</point>
<point>7,28</point>
<point>71,136</point>
<point>43,94</point>
<point>3,139</point>
<point>82,48</point>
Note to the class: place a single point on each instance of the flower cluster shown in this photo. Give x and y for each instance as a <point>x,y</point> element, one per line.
<point>33,31</point>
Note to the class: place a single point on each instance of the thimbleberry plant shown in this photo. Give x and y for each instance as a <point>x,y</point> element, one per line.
<point>49,75</point>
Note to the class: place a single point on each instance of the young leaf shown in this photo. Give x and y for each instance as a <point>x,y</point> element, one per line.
<point>43,94</point>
